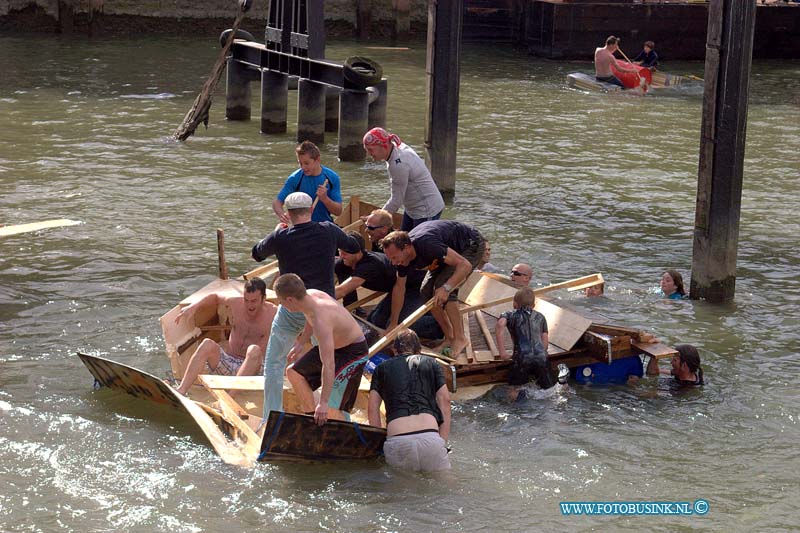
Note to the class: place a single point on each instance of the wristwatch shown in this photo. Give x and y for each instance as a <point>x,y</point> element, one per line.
<point>447,287</point>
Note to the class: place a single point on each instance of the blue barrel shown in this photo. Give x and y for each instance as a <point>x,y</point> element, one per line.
<point>374,361</point>
<point>604,374</point>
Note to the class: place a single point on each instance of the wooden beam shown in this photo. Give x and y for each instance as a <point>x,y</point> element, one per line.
<point>257,272</point>
<point>364,300</point>
<point>487,334</point>
<point>442,67</point>
<point>469,350</point>
<point>233,412</point>
<point>215,382</point>
<point>577,282</point>
<point>410,319</point>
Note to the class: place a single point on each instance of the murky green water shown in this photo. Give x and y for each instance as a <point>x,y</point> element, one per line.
<point>572,183</point>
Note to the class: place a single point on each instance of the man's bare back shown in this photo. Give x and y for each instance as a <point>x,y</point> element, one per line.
<point>603,59</point>
<point>326,314</point>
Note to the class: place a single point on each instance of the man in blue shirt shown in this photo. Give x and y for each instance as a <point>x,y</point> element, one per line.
<point>314,180</point>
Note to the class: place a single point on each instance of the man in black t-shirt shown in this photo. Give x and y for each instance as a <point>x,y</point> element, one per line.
<point>375,272</point>
<point>413,388</point>
<point>449,251</point>
<point>308,249</point>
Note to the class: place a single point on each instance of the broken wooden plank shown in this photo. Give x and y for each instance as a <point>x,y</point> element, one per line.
<point>657,350</point>
<point>410,319</point>
<point>215,382</point>
<point>365,300</point>
<point>469,351</point>
<point>6,231</point>
<point>565,327</point>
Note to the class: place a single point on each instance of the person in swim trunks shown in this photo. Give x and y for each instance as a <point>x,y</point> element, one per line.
<point>338,361</point>
<point>243,353</point>
<point>413,388</point>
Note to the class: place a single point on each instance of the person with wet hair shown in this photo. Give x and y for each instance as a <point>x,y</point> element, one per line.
<point>413,388</point>
<point>528,329</point>
<point>672,285</point>
<point>685,367</point>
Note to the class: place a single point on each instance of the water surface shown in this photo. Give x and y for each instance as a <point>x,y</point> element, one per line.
<point>570,182</point>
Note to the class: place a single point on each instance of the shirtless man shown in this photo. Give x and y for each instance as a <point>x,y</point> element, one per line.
<point>604,59</point>
<point>336,363</point>
<point>242,354</point>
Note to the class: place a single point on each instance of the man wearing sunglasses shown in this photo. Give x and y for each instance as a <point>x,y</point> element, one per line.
<point>521,274</point>
<point>379,225</point>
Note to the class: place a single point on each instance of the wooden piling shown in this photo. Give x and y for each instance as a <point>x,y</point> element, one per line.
<point>402,20</point>
<point>363,18</point>
<point>443,70</point>
<point>729,50</point>
<point>353,115</point>
<point>274,101</point>
<point>237,101</point>
<point>223,266</point>
<point>310,111</point>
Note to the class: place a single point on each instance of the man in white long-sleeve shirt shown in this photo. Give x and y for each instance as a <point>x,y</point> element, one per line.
<point>411,181</point>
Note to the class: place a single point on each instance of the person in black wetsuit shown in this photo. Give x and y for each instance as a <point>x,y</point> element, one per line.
<point>413,388</point>
<point>528,329</point>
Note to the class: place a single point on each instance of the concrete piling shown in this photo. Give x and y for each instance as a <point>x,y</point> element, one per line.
<point>310,111</point>
<point>237,101</point>
<point>377,107</point>
<point>331,109</point>
<point>274,101</point>
<point>353,115</point>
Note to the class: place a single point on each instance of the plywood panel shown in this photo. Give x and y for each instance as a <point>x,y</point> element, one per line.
<point>565,327</point>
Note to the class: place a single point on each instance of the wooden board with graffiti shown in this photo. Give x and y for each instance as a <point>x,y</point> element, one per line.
<point>293,436</point>
<point>139,384</point>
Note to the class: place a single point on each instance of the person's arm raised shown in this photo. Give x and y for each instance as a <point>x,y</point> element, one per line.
<point>398,299</point>
<point>211,299</point>
<point>277,207</point>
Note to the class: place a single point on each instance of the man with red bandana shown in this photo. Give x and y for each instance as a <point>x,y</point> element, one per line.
<point>411,183</point>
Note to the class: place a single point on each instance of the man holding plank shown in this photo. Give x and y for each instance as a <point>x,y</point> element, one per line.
<point>449,251</point>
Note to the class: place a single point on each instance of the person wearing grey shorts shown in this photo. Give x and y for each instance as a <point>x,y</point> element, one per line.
<point>413,388</point>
